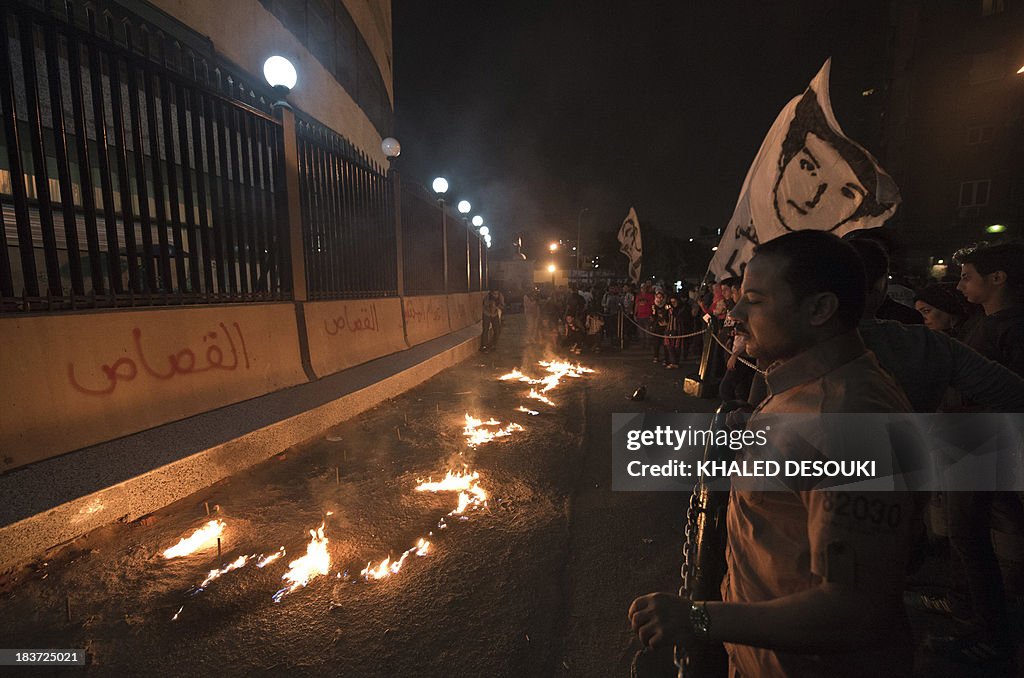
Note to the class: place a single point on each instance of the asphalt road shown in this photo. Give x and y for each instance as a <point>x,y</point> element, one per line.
<point>535,584</point>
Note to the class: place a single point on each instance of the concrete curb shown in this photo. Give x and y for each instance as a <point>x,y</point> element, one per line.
<point>129,499</point>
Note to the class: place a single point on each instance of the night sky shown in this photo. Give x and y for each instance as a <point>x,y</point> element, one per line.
<point>535,110</point>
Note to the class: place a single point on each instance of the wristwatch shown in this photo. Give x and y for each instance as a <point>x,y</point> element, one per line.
<point>700,620</point>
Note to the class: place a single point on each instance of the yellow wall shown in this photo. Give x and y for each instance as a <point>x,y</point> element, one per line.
<point>69,381</point>
<point>346,333</point>
<point>426,318</point>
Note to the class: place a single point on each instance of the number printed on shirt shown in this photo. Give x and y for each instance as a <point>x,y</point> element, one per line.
<point>861,508</point>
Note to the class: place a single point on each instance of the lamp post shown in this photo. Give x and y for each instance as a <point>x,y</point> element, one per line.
<point>281,76</point>
<point>551,270</point>
<point>392,149</point>
<point>579,233</point>
<point>464,207</point>
<point>440,186</point>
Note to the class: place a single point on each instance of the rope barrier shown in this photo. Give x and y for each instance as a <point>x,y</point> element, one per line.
<point>664,336</point>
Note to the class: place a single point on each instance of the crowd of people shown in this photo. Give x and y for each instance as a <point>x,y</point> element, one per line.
<point>812,327</point>
<point>812,590</point>
<point>588,319</point>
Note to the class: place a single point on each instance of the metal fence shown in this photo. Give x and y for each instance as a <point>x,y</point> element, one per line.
<point>347,216</point>
<point>422,242</point>
<point>133,174</point>
<point>136,169</point>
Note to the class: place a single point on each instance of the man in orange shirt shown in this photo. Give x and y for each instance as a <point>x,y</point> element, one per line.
<point>811,590</point>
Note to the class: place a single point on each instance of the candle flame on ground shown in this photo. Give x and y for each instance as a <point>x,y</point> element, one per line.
<point>476,434</point>
<point>386,568</point>
<point>302,570</point>
<point>537,396</point>
<point>202,538</point>
<point>237,563</point>
<point>271,558</point>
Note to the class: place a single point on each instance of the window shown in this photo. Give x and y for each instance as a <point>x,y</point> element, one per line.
<point>990,7</point>
<point>980,134</point>
<point>974,193</point>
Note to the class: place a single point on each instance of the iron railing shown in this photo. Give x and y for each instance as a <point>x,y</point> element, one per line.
<point>137,171</point>
<point>347,216</point>
<point>422,244</point>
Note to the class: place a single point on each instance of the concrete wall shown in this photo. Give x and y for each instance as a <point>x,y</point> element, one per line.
<point>247,34</point>
<point>72,380</point>
<point>373,18</point>
<point>426,318</point>
<point>465,309</point>
<point>347,333</point>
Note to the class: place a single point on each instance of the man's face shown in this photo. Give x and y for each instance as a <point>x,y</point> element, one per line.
<point>768,314</point>
<point>817,189</point>
<point>978,288</point>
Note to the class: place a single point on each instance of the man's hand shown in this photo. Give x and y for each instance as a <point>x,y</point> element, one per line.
<point>661,619</point>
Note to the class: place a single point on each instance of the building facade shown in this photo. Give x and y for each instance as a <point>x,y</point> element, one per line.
<point>954,130</point>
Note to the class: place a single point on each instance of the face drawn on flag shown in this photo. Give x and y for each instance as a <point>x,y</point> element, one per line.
<point>807,175</point>
<point>631,245</point>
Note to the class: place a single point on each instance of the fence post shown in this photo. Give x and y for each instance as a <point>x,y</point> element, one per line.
<point>296,247</point>
<point>396,200</point>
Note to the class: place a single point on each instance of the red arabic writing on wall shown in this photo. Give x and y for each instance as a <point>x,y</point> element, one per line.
<point>367,321</point>
<point>423,311</point>
<point>180,363</point>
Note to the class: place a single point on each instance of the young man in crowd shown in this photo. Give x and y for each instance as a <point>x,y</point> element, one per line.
<point>992,277</point>
<point>810,590</point>
<point>643,311</point>
<point>926,363</point>
<point>493,308</point>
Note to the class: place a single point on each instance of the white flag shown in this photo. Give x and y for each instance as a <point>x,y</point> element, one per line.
<point>630,245</point>
<point>807,175</point>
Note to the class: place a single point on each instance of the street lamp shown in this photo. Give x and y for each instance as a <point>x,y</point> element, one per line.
<point>391,148</point>
<point>478,221</point>
<point>553,247</point>
<point>487,239</point>
<point>440,186</point>
<point>464,207</point>
<point>280,74</point>
<point>551,270</point>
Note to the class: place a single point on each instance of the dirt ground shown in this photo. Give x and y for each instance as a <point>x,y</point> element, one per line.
<point>536,584</point>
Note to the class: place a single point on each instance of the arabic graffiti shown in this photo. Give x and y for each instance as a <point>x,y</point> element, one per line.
<point>182,362</point>
<point>417,312</point>
<point>367,321</point>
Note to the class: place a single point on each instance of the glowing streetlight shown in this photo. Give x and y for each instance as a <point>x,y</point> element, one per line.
<point>553,247</point>
<point>487,240</point>
<point>440,186</point>
<point>464,207</point>
<point>996,228</point>
<point>391,148</point>
<point>280,74</point>
<point>484,231</point>
<point>478,221</point>
<point>551,268</point>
